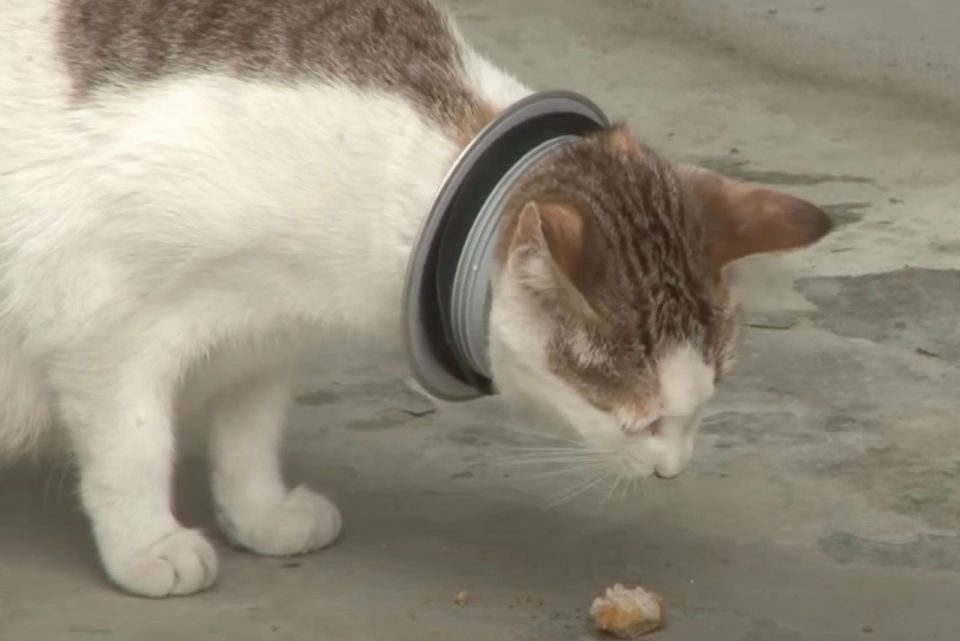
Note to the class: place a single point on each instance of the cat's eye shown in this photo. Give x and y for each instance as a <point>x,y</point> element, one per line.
<point>638,427</point>
<point>654,427</point>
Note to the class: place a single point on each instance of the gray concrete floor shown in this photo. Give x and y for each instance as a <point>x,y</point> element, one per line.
<point>824,503</point>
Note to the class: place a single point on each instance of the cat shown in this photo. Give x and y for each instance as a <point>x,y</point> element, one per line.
<point>191,189</point>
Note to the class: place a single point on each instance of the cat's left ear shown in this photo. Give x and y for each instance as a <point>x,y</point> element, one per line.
<point>743,220</point>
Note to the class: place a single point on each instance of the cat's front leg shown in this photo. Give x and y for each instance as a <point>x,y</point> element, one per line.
<point>119,418</point>
<point>254,506</point>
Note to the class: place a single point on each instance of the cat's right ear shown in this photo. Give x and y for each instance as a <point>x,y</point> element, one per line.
<point>554,230</point>
<point>547,250</point>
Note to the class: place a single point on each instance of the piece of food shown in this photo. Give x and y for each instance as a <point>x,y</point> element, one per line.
<point>462,598</point>
<point>628,613</point>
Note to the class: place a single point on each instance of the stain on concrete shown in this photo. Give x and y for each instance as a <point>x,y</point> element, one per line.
<point>774,320</point>
<point>739,168</point>
<point>813,375</point>
<point>320,397</point>
<point>846,213</point>
<point>388,419</point>
<point>765,630</point>
<point>376,424</point>
<point>841,423</point>
<point>911,308</point>
<point>391,404</point>
<point>491,435</point>
<point>736,429</point>
<point>946,246</point>
<point>926,552</point>
<point>919,483</point>
<point>394,392</point>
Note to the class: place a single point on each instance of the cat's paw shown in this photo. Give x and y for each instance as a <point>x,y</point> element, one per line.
<point>302,522</point>
<point>183,562</point>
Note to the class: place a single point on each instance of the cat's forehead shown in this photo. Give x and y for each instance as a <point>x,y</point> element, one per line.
<point>644,240</point>
<point>622,377</point>
<point>648,359</point>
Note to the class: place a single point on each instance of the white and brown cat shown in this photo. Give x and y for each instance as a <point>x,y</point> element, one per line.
<point>191,188</point>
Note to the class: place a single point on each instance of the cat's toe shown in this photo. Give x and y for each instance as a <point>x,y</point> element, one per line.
<point>183,562</point>
<point>302,522</point>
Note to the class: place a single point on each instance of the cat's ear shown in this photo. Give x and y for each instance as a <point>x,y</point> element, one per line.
<point>551,233</point>
<point>547,250</point>
<point>743,220</point>
<point>622,141</point>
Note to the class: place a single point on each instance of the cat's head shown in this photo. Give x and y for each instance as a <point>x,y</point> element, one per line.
<point>611,305</point>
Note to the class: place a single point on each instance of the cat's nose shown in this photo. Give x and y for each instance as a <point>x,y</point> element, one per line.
<point>672,463</point>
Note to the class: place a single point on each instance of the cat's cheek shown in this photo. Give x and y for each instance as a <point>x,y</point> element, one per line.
<point>598,431</point>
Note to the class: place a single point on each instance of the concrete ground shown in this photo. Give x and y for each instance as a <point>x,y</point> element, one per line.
<point>824,502</point>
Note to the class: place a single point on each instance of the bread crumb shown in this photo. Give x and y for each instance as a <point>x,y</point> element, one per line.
<point>462,598</point>
<point>628,613</point>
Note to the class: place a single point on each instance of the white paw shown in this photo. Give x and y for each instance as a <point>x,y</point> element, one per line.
<point>302,522</point>
<point>183,562</point>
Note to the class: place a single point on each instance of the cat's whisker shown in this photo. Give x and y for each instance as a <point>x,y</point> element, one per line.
<point>573,452</point>
<point>46,486</point>
<point>551,453</point>
<point>65,474</point>
<point>551,459</point>
<point>64,469</point>
<point>548,449</point>
<point>578,490</point>
<point>562,496</point>
<point>546,436</point>
<point>613,488</point>
<point>570,469</point>
<point>576,442</point>
<point>55,479</point>
<point>631,487</point>
<point>558,452</point>
<point>557,446</point>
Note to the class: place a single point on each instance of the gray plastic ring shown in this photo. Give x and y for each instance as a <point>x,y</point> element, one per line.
<point>425,365</point>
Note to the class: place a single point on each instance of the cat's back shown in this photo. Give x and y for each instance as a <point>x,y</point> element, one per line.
<point>364,42</point>
<point>406,47</point>
<point>77,48</point>
<point>64,64</point>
